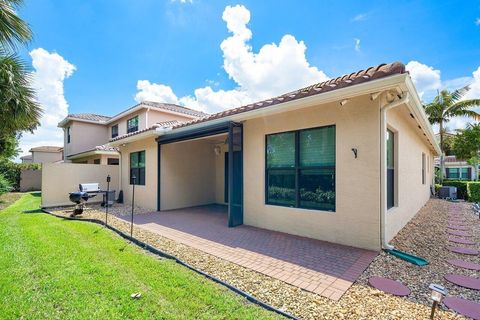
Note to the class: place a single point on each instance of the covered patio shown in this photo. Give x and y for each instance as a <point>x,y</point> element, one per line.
<point>321,267</point>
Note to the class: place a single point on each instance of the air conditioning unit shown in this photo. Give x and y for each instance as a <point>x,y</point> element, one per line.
<point>448,192</point>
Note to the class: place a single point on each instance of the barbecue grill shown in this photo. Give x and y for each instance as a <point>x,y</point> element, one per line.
<point>87,191</point>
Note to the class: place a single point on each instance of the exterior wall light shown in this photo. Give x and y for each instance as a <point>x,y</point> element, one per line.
<point>437,295</point>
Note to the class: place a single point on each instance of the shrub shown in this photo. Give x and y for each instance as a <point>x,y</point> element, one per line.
<point>474,191</point>
<point>437,187</point>
<point>462,187</point>
<point>11,171</point>
<point>5,185</point>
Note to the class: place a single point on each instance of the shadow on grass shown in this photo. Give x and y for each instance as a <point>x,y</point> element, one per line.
<point>36,194</point>
<point>33,211</point>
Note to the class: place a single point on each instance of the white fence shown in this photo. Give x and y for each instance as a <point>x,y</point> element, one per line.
<point>58,179</point>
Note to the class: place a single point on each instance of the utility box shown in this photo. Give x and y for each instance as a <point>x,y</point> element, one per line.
<point>448,192</point>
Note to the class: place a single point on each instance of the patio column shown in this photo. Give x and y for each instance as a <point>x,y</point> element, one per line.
<point>235,174</point>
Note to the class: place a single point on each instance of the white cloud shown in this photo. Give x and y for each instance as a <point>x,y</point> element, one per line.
<point>474,92</point>
<point>183,1</point>
<point>357,44</point>
<point>477,21</point>
<point>427,81</point>
<point>153,91</point>
<point>426,78</point>
<point>273,70</point>
<point>51,69</point>
<point>360,17</point>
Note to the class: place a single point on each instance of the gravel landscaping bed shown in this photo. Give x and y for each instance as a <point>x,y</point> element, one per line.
<point>360,301</point>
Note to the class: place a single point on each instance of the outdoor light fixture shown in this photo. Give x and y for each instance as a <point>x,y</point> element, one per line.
<point>355,152</point>
<point>437,295</point>
<point>344,102</point>
<point>217,150</point>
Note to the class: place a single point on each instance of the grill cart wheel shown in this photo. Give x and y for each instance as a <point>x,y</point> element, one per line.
<point>76,212</point>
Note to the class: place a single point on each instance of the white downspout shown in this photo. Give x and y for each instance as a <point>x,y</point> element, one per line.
<point>383,165</point>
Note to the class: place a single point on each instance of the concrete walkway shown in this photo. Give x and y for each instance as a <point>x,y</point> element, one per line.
<point>321,267</point>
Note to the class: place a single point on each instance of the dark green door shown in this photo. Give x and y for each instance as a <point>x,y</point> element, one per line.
<point>235,175</point>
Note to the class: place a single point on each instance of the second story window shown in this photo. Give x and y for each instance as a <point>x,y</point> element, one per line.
<point>115,131</point>
<point>132,124</point>
<point>68,134</point>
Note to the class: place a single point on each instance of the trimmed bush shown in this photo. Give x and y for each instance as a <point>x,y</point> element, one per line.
<point>5,185</point>
<point>474,191</point>
<point>11,171</point>
<point>437,187</point>
<point>462,187</point>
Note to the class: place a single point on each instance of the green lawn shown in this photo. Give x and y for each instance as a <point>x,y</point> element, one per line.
<point>57,269</point>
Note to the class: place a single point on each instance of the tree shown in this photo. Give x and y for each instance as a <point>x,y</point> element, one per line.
<point>447,105</point>
<point>467,146</point>
<point>19,110</point>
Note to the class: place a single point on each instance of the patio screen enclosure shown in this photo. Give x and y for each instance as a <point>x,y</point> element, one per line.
<point>234,176</point>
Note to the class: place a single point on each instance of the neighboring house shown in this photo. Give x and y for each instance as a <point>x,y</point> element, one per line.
<point>349,160</point>
<point>26,159</point>
<point>86,134</point>
<point>457,169</point>
<point>43,154</point>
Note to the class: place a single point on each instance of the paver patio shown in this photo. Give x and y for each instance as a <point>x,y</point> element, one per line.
<point>321,267</point>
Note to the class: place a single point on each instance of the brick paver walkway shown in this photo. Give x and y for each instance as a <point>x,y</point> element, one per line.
<point>321,267</point>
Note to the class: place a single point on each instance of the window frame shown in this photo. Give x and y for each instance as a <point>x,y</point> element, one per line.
<point>424,178</point>
<point>132,129</point>
<point>297,169</point>
<point>138,181</point>
<point>114,135</point>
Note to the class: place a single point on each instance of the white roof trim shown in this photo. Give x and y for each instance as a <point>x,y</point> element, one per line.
<point>92,153</point>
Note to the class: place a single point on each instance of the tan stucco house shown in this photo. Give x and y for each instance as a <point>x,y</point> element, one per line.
<point>43,154</point>
<point>86,134</point>
<point>349,160</point>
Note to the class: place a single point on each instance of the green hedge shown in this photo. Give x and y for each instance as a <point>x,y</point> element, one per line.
<point>474,191</point>
<point>462,187</point>
<point>11,171</point>
<point>5,185</point>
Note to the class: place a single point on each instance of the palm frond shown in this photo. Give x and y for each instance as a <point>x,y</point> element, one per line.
<point>19,110</point>
<point>13,30</point>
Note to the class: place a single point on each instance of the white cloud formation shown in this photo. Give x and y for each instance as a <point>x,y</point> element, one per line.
<point>477,22</point>
<point>273,70</point>
<point>51,69</point>
<point>426,79</point>
<point>360,17</point>
<point>357,44</point>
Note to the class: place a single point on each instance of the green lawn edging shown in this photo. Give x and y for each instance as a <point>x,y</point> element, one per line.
<point>162,254</point>
<point>71,270</point>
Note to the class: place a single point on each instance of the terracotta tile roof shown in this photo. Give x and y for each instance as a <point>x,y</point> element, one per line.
<point>163,124</point>
<point>372,73</point>
<point>89,117</point>
<point>105,148</point>
<point>47,149</point>
<point>175,108</point>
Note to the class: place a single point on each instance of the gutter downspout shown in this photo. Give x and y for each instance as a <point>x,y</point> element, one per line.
<point>383,165</point>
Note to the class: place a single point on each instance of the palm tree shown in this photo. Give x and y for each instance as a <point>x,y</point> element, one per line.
<point>19,110</point>
<point>447,105</point>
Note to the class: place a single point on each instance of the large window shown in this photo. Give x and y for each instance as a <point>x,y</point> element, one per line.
<point>300,168</point>
<point>115,131</point>
<point>137,167</point>
<point>132,124</point>
<point>390,169</point>
<point>458,173</point>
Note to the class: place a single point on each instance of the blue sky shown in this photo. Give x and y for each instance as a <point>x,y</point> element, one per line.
<point>175,47</point>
